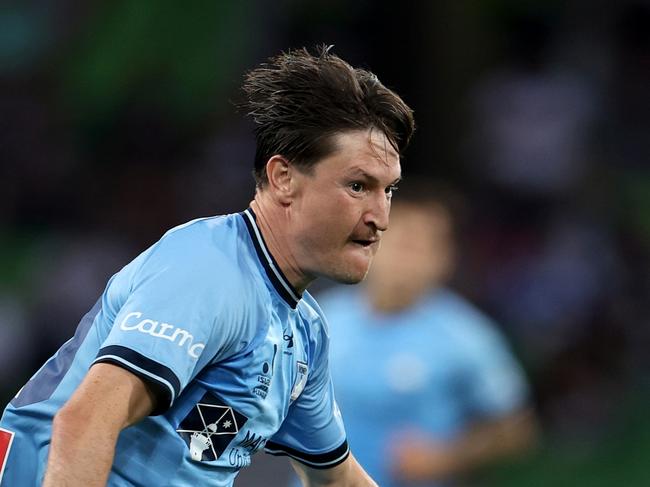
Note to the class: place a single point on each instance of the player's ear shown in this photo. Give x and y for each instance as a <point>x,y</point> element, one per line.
<point>279,173</point>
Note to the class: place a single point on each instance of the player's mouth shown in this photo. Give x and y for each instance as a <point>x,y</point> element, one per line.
<point>366,242</point>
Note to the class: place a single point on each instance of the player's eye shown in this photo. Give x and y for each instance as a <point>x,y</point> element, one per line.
<point>356,187</point>
<point>390,190</point>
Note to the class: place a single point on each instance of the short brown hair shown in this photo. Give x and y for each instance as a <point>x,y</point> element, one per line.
<point>298,101</point>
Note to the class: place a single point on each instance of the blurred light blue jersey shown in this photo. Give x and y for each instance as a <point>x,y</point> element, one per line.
<point>432,369</point>
<point>236,357</point>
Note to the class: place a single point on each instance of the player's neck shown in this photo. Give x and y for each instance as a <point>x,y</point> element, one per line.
<point>273,222</point>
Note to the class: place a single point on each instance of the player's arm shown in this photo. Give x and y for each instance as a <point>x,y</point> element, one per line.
<point>417,458</point>
<point>346,474</point>
<point>86,428</point>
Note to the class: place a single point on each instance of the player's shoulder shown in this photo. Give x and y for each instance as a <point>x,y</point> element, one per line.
<point>202,240</point>
<point>466,322</point>
<point>205,231</point>
<point>309,307</point>
<point>450,303</point>
<point>312,312</point>
<point>205,252</point>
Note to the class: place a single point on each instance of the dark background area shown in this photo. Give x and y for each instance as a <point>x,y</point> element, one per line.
<point>117,122</point>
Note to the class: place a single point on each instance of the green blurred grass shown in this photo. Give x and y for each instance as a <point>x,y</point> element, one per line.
<point>620,458</point>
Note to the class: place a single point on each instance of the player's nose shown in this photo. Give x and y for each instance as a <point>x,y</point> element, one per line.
<point>378,212</point>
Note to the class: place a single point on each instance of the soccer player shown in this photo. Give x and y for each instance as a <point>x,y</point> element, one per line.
<point>206,347</point>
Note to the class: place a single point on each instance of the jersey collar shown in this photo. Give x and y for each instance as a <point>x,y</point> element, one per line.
<point>273,271</point>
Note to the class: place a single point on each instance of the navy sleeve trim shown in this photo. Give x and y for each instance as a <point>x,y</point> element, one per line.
<point>314,460</point>
<point>162,381</point>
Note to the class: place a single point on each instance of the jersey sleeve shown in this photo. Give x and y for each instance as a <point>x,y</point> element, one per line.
<point>313,431</point>
<point>172,316</point>
<point>494,381</point>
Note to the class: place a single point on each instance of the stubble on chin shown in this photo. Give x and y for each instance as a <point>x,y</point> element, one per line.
<point>350,277</point>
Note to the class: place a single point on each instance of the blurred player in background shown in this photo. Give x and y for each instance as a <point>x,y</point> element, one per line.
<point>426,383</point>
<point>207,348</point>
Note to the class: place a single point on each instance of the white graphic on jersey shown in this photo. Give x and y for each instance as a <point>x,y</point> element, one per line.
<point>156,329</point>
<point>198,444</point>
<point>226,424</point>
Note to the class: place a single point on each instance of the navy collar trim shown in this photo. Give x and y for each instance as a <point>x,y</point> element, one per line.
<point>273,271</point>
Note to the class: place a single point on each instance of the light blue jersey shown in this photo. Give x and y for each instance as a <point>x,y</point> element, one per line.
<point>237,358</point>
<point>431,369</point>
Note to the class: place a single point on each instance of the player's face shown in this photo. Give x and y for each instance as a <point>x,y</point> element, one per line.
<point>342,206</point>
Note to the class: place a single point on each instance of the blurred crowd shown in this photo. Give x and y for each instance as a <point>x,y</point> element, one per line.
<point>117,122</point>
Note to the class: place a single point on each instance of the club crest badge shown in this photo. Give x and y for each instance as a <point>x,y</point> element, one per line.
<point>301,380</point>
<point>209,428</point>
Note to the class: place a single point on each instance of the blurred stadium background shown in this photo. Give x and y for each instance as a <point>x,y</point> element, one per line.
<point>117,122</point>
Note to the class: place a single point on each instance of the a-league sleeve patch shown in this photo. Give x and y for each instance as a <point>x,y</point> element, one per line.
<point>209,428</point>
<point>6,438</point>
